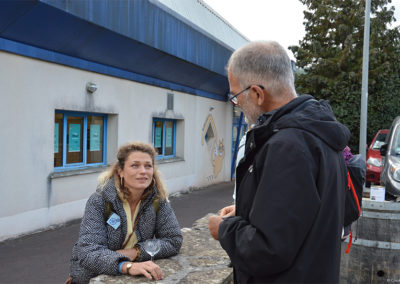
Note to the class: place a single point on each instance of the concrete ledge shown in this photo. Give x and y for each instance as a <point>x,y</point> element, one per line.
<point>82,171</point>
<point>201,260</point>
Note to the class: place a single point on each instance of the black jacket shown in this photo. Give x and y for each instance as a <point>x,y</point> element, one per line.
<point>290,197</point>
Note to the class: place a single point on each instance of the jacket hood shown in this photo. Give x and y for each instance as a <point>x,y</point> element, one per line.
<point>316,117</point>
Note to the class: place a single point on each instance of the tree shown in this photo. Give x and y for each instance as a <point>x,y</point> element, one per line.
<point>330,57</point>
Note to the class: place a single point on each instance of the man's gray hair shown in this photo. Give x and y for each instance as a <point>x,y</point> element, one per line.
<point>263,63</point>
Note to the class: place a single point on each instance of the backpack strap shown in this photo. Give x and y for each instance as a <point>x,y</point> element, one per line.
<point>350,241</point>
<point>156,205</point>
<point>351,187</point>
<point>108,210</point>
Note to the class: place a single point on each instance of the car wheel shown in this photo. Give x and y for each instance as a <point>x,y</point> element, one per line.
<point>389,197</point>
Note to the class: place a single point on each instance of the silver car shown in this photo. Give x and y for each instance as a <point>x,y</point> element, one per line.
<point>390,152</point>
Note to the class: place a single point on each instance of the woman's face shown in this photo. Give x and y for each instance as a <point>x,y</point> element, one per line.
<point>137,171</point>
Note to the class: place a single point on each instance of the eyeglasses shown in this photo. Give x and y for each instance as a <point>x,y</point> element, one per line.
<point>233,97</point>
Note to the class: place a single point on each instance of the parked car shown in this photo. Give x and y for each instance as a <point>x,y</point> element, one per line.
<point>374,158</point>
<point>390,152</point>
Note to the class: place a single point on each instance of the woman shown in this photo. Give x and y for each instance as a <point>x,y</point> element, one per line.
<point>129,206</point>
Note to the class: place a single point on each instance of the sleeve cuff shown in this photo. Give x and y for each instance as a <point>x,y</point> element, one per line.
<point>120,266</point>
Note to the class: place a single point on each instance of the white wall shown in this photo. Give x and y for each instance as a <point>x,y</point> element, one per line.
<point>31,90</point>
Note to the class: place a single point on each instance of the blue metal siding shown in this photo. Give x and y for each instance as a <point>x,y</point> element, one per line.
<point>147,23</point>
<point>131,36</point>
<point>198,15</point>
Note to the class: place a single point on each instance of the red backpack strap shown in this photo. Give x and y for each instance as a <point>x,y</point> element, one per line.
<point>350,241</point>
<point>351,187</point>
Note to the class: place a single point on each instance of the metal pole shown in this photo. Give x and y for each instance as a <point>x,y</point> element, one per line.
<point>364,87</point>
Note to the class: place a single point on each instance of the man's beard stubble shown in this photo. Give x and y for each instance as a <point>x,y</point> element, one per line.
<point>251,112</point>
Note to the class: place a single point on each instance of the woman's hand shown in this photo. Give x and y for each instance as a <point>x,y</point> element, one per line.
<point>228,211</point>
<point>147,268</point>
<point>129,253</point>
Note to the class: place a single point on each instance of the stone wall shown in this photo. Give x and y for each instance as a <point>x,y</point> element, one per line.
<point>201,260</point>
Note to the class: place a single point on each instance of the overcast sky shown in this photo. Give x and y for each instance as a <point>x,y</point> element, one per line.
<point>280,20</point>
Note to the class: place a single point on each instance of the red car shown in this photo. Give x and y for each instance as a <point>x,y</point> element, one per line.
<point>374,159</point>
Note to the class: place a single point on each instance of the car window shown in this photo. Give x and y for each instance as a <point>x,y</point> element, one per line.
<point>380,140</point>
<point>396,143</point>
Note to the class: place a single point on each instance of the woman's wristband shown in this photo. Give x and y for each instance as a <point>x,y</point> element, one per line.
<point>120,266</point>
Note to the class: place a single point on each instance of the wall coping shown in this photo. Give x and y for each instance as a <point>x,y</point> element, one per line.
<point>201,260</point>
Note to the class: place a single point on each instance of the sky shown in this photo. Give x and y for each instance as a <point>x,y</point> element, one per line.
<point>279,20</point>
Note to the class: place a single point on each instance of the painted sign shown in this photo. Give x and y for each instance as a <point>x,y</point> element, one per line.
<point>74,140</point>
<point>157,137</point>
<point>168,137</point>
<point>56,129</point>
<point>217,149</point>
<point>95,131</point>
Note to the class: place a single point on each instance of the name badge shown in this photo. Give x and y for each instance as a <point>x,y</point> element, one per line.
<point>114,221</point>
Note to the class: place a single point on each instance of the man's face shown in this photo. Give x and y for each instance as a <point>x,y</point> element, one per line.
<point>250,109</point>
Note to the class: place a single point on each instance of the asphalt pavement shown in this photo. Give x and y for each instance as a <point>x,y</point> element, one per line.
<point>43,257</point>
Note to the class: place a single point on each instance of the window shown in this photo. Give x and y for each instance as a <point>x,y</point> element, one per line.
<point>164,137</point>
<point>380,140</point>
<point>79,139</point>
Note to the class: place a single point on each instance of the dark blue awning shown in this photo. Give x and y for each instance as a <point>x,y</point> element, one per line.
<point>132,37</point>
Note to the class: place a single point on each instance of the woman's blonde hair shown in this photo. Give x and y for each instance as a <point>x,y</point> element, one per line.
<point>123,153</point>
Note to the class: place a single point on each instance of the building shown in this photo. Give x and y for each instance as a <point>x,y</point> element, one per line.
<point>80,78</point>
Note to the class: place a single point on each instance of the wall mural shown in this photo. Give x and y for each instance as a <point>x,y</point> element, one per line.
<point>215,147</point>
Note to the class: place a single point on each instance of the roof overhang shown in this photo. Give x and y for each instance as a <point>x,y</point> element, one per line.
<point>129,37</point>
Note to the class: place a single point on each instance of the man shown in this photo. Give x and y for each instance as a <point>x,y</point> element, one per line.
<point>287,223</point>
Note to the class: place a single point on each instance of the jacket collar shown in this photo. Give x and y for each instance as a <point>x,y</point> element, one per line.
<point>265,126</point>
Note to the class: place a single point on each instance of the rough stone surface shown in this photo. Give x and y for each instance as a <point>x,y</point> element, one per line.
<point>201,260</point>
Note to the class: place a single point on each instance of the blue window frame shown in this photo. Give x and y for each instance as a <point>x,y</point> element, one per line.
<point>164,137</point>
<point>79,140</point>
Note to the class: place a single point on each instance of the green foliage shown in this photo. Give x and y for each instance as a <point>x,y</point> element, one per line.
<point>330,57</point>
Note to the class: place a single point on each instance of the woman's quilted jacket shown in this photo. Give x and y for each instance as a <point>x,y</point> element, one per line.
<point>95,251</point>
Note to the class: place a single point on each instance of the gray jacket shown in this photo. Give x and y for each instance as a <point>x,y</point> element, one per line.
<point>95,251</point>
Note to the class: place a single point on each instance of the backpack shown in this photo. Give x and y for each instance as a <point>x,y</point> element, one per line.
<point>356,175</point>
